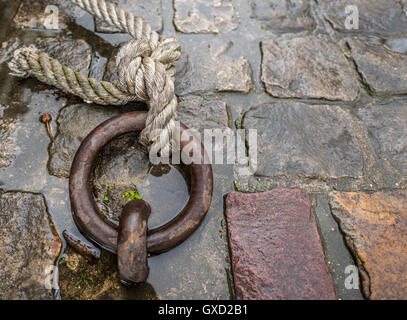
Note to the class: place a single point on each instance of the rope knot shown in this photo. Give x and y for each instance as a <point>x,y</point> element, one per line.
<point>139,60</point>
<point>145,69</point>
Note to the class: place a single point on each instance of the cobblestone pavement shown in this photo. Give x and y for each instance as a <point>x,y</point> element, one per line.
<point>330,108</point>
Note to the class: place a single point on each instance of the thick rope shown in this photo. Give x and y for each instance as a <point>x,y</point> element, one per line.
<point>144,67</point>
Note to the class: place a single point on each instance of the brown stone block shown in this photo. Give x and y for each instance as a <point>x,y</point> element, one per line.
<point>375,228</point>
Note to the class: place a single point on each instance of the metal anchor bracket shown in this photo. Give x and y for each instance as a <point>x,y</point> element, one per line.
<point>131,240</point>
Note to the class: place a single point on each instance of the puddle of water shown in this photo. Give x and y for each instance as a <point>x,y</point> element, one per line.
<point>166,194</point>
<point>28,168</point>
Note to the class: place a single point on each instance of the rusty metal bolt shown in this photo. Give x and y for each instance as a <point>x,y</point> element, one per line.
<point>46,118</point>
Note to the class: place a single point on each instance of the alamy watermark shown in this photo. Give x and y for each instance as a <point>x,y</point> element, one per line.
<point>51,21</point>
<point>222,146</point>
<point>352,18</point>
<point>352,280</point>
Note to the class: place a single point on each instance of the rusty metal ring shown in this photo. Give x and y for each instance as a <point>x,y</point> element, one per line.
<point>104,233</point>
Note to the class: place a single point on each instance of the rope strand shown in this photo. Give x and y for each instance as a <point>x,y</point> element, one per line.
<point>145,69</point>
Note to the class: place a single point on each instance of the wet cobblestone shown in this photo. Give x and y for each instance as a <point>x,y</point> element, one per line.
<point>328,105</point>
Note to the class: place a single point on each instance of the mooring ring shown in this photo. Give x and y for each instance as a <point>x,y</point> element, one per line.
<point>104,233</point>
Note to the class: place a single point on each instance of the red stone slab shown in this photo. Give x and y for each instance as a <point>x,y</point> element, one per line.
<point>275,246</point>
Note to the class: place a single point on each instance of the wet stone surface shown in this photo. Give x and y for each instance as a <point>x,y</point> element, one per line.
<point>282,16</point>
<point>8,147</point>
<point>29,247</point>
<point>307,67</point>
<point>75,122</point>
<point>297,139</point>
<point>205,16</point>
<point>25,138</point>
<point>207,67</point>
<point>75,54</point>
<point>388,132</point>
<point>123,173</point>
<point>375,230</point>
<point>42,14</point>
<point>203,113</point>
<point>385,17</point>
<point>384,71</point>
<point>149,10</point>
<point>121,166</point>
<point>275,247</point>
<point>235,55</point>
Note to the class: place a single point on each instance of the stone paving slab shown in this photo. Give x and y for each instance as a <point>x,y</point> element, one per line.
<point>205,16</point>
<point>29,247</point>
<point>75,122</point>
<point>32,14</point>
<point>388,133</point>
<point>383,70</point>
<point>308,140</point>
<point>208,67</point>
<point>320,147</point>
<point>385,17</point>
<point>211,111</point>
<point>375,229</point>
<point>307,67</point>
<point>282,15</point>
<point>8,136</point>
<point>275,246</point>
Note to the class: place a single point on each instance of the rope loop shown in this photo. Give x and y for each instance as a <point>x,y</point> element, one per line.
<point>144,66</point>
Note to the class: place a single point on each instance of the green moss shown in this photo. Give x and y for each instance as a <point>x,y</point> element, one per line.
<point>131,195</point>
<point>106,195</point>
<point>62,260</point>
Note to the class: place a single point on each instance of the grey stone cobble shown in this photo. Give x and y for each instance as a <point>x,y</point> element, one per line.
<point>384,71</point>
<point>307,67</point>
<point>205,16</point>
<point>385,17</point>
<point>282,16</point>
<point>29,247</point>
